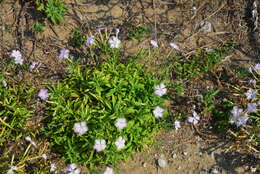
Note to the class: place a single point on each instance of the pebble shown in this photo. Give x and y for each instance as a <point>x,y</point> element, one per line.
<point>214,171</point>
<point>144,164</point>
<point>185,153</point>
<point>174,156</point>
<point>162,163</point>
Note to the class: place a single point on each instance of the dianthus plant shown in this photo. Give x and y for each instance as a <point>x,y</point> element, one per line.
<point>100,116</point>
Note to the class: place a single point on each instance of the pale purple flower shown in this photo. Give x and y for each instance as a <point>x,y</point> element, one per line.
<point>64,54</point>
<point>239,121</point>
<point>236,111</point>
<point>177,124</point>
<point>90,40</point>
<point>33,65</point>
<point>16,54</point>
<point>114,42</point>
<point>80,128</point>
<point>73,169</point>
<point>158,112</point>
<point>251,94</point>
<point>239,118</point>
<point>175,47</point>
<point>154,43</point>
<point>12,169</point>
<point>120,143</point>
<point>160,90</point>
<point>99,145</point>
<point>257,67</point>
<point>108,171</point>
<point>252,81</point>
<point>121,123</point>
<point>43,94</point>
<point>194,119</point>
<point>251,107</point>
<point>4,83</point>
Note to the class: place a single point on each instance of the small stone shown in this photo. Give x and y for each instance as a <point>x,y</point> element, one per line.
<point>240,170</point>
<point>252,169</point>
<point>214,171</point>
<point>174,156</point>
<point>206,26</point>
<point>162,163</point>
<point>144,164</point>
<point>185,153</point>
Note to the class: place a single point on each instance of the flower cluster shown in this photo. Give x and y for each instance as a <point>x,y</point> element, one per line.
<point>16,54</point>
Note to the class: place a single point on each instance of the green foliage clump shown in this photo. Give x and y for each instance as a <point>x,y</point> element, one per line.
<point>54,9</point>
<point>77,38</point>
<point>99,97</point>
<point>13,111</point>
<point>138,32</point>
<point>198,64</point>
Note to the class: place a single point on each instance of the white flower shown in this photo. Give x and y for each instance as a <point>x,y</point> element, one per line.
<point>160,90</point>
<point>175,47</point>
<point>27,138</point>
<point>73,169</point>
<point>251,107</point>
<point>12,169</point>
<point>4,83</point>
<point>154,43</point>
<point>16,54</point>
<point>53,168</point>
<point>64,54</point>
<point>43,94</point>
<point>108,171</point>
<point>90,40</point>
<point>114,42</point>
<point>158,112</point>
<point>120,143</point>
<point>80,128</point>
<point>100,145</point>
<point>251,94</point>
<point>195,119</point>
<point>239,118</point>
<point>177,125</point>
<point>121,123</point>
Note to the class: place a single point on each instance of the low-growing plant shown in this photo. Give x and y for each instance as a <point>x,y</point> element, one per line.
<point>14,114</point>
<point>137,32</point>
<point>37,28</point>
<point>76,38</point>
<point>100,100</point>
<point>196,65</point>
<point>54,9</point>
